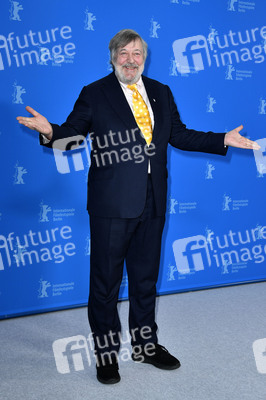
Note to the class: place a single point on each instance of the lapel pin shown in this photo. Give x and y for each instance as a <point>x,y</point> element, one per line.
<point>154,100</point>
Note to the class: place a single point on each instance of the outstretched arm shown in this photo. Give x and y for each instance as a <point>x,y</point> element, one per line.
<point>37,123</point>
<point>234,139</point>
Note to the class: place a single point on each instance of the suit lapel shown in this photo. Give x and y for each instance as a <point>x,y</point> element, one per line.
<point>155,104</point>
<point>115,95</point>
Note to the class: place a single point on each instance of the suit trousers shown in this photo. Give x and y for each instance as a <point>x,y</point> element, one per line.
<point>137,241</point>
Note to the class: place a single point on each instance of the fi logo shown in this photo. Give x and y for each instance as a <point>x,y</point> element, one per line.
<point>68,151</point>
<point>71,353</point>
<point>191,54</point>
<point>259,350</point>
<point>191,254</point>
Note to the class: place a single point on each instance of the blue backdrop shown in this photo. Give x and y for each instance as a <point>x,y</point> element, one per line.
<point>213,58</point>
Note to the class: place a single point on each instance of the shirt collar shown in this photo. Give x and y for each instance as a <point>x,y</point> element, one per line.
<point>139,84</point>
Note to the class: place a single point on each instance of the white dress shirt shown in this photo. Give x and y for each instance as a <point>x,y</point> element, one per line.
<point>129,96</point>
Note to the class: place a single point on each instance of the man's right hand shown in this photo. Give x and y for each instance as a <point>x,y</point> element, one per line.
<point>37,123</point>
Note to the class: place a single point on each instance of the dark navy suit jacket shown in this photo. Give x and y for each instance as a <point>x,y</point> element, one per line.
<point>117,177</point>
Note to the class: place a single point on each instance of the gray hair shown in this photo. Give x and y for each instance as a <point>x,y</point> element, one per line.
<point>121,39</point>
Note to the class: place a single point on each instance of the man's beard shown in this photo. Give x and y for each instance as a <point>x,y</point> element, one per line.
<point>122,78</point>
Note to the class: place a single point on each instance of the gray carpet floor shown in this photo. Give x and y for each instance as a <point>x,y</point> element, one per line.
<point>210,331</point>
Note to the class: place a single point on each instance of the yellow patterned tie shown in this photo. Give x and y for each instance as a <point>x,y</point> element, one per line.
<point>141,114</point>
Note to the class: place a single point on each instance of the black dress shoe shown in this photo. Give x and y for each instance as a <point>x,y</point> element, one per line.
<point>108,373</point>
<point>159,357</point>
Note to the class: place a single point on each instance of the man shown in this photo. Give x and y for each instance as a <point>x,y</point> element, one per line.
<point>131,119</point>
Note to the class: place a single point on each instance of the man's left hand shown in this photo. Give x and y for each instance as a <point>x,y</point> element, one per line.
<point>234,139</point>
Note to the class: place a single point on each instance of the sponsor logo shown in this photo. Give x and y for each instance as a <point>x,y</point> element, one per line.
<point>210,103</point>
<point>45,209</point>
<point>88,246</point>
<point>18,91</point>
<point>154,29</point>
<point>240,5</point>
<point>262,106</point>
<point>209,170</point>
<point>56,289</point>
<point>14,11</point>
<point>172,205</point>
<point>233,73</point>
<point>18,176</point>
<point>184,2</point>
<point>171,269</point>
<point>175,206</point>
<point>89,19</point>
<point>230,204</point>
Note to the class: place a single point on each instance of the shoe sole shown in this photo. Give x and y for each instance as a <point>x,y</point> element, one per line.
<point>110,381</point>
<point>158,365</point>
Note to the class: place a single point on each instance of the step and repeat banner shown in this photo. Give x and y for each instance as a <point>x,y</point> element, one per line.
<point>212,55</point>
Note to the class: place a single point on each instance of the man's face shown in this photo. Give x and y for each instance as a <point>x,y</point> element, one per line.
<point>129,64</point>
